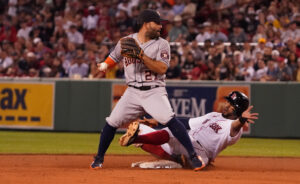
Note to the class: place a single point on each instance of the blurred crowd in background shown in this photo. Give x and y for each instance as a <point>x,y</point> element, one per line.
<point>251,40</point>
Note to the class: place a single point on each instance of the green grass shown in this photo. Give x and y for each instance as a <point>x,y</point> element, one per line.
<point>57,143</point>
<point>26,142</point>
<point>265,147</point>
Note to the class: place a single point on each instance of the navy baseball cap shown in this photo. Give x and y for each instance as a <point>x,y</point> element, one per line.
<point>149,15</point>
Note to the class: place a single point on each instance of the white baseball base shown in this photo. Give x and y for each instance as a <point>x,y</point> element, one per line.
<point>159,164</point>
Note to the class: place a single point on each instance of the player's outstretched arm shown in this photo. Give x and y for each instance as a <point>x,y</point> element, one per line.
<point>247,116</point>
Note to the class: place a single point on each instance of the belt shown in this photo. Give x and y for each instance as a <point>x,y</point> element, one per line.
<point>144,88</point>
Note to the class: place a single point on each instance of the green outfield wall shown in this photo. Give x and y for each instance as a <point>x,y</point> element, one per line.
<point>82,105</point>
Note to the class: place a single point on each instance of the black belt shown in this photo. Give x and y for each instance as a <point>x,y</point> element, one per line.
<point>144,88</point>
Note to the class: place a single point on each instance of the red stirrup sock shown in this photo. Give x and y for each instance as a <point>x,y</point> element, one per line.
<point>157,151</point>
<point>155,138</point>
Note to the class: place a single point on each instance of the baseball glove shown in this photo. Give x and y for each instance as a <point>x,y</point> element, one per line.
<point>131,49</point>
<point>149,122</point>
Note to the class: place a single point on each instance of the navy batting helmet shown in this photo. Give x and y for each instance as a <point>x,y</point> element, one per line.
<point>239,100</point>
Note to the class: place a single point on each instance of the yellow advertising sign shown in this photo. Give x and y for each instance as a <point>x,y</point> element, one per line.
<point>27,105</point>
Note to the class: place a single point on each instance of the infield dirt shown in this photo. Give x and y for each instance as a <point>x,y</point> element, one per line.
<point>74,169</point>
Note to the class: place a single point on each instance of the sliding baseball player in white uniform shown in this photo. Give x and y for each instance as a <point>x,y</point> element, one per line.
<point>145,56</point>
<point>210,134</point>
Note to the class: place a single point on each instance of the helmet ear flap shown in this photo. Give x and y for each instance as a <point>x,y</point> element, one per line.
<point>237,112</point>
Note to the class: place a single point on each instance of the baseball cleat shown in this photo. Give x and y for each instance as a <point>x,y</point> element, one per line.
<point>197,163</point>
<point>130,135</point>
<point>182,160</point>
<point>97,164</point>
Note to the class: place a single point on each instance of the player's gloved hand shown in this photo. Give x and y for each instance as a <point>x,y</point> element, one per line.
<point>130,48</point>
<point>102,66</point>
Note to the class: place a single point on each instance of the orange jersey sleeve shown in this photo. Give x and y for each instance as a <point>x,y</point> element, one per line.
<point>110,62</point>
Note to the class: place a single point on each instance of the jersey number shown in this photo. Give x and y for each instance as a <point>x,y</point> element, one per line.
<point>148,75</point>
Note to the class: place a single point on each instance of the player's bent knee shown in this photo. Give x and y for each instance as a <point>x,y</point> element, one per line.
<point>165,120</point>
<point>111,123</point>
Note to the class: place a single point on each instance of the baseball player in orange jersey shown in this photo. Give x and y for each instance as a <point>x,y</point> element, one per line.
<point>145,56</point>
<point>210,134</point>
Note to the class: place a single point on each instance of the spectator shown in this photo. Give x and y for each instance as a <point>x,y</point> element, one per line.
<point>189,10</point>
<point>284,71</point>
<point>29,61</point>
<point>275,55</point>
<point>239,20</point>
<point>272,35</point>
<point>292,63</point>
<point>8,31</point>
<point>174,70</point>
<point>261,73</point>
<point>74,35</point>
<point>217,35</point>
<point>291,33</point>
<point>192,31</point>
<point>197,52</point>
<point>206,48</point>
<point>188,66</point>
<point>260,34</point>
<point>126,5</point>
<point>79,69</point>
<point>247,51</point>
<point>24,31</point>
<point>90,22</point>
<point>268,51</point>
<point>5,61</point>
<point>123,21</point>
<point>246,73</point>
<point>206,33</point>
<point>166,12</point>
<point>226,71</point>
<point>12,11</point>
<point>198,70</point>
<point>238,34</point>
<point>272,20</point>
<point>238,58</point>
<point>178,31</point>
<point>298,71</point>
<point>260,47</point>
<point>252,23</point>
<point>178,7</point>
<point>57,69</point>
<point>272,71</point>
<point>210,73</point>
<point>226,4</point>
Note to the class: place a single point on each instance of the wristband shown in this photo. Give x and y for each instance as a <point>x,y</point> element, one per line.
<point>243,120</point>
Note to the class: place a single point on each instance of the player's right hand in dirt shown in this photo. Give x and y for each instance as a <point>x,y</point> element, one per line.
<point>148,122</point>
<point>250,116</point>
